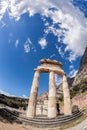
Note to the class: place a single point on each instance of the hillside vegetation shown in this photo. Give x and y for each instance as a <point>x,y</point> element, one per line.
<point>14,102</point>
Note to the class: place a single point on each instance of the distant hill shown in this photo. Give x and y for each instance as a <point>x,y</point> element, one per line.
<point>14,102</point>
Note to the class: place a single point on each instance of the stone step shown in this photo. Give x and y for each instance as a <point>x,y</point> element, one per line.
<point>41,122</point>
<point>58,118</point>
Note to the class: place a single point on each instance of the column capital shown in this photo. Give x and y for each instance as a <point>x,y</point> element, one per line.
<point>64,74</point>
<point>51,71</point>
<point>37,70</point>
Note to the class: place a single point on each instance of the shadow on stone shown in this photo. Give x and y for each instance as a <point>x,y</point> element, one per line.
<point>6,117</point>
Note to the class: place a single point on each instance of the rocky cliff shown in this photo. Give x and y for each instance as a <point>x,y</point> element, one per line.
<point>82,73</point>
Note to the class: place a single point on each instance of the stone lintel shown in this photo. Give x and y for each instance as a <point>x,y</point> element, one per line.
<point>48,70</point>
<point>51,62</point>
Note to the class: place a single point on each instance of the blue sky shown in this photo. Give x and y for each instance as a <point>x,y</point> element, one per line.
<point>44,29</point>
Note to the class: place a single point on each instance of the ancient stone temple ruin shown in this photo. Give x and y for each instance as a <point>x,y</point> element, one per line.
<point>51,67</point>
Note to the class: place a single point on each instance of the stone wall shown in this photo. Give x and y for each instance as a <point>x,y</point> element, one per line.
<point>42,101</point>
<point>41,108</point>
<point>80,101</point>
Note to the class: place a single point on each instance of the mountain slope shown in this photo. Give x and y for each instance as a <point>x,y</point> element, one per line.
<point>82,73</point>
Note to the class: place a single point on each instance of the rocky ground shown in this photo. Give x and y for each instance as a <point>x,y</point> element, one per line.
<point>6,125</point>
<point>81,126</point>
<point>9,126</point>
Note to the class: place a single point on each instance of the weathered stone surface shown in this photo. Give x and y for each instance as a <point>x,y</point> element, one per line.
<point>42,99</point>
<point>52,111</point>
<point>82,73</point>
<point>75,108</point>
<point>48,65</point>
<point>31,111</point>
<point>80,101</point>
<point>83,60</point>
<point>67,101</point>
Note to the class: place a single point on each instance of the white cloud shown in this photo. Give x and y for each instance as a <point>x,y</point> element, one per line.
<point>3,7</point>
<point>53,55</point>
<point>16,43</point>
<point>28,45</point>
<point>60,51</point>
<point>71,66</point>
<point>72,73</point>
<point>72,57</point>
<point>43,43</point>
<point>73,24</point>
<point>3,24</point>
<point>72,31</point>
<point>24,96</point>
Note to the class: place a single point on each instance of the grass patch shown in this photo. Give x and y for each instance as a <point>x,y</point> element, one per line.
<point>85,93</point>
<point>61,103</point>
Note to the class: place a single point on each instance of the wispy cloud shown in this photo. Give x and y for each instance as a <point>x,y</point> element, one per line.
<point>60,51</point>
<point>72,73</point>
<point>16,43</point>
<point>24,96</point>
<point>3,24</point>
<point>71,66</point>
<point>28,46</point>
<point>53,55</point>
<point>72,57</point>
<point>43,43</point>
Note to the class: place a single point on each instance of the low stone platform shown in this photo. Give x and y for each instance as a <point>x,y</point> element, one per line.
<point>41,122</point>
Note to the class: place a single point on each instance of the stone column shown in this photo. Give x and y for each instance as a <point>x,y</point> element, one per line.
<point>31,112</point>
<point>52,111</point>
<point>67,101</point>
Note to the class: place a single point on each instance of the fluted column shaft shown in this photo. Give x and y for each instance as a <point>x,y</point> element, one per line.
<point>52,112</point>
<point>31,112</point>
<point>67,101</point>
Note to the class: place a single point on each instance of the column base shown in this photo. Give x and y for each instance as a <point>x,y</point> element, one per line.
<point>52,113</point>
<point>31,112</point>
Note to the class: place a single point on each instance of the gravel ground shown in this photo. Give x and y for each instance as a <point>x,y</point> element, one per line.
<point>81,126</point>
<point>8,126</point>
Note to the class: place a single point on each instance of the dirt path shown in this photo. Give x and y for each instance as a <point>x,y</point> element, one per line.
<point>9,126</point>
<point>81,126</point>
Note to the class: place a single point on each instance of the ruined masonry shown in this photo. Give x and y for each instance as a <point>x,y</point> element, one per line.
<point>51,67</point>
